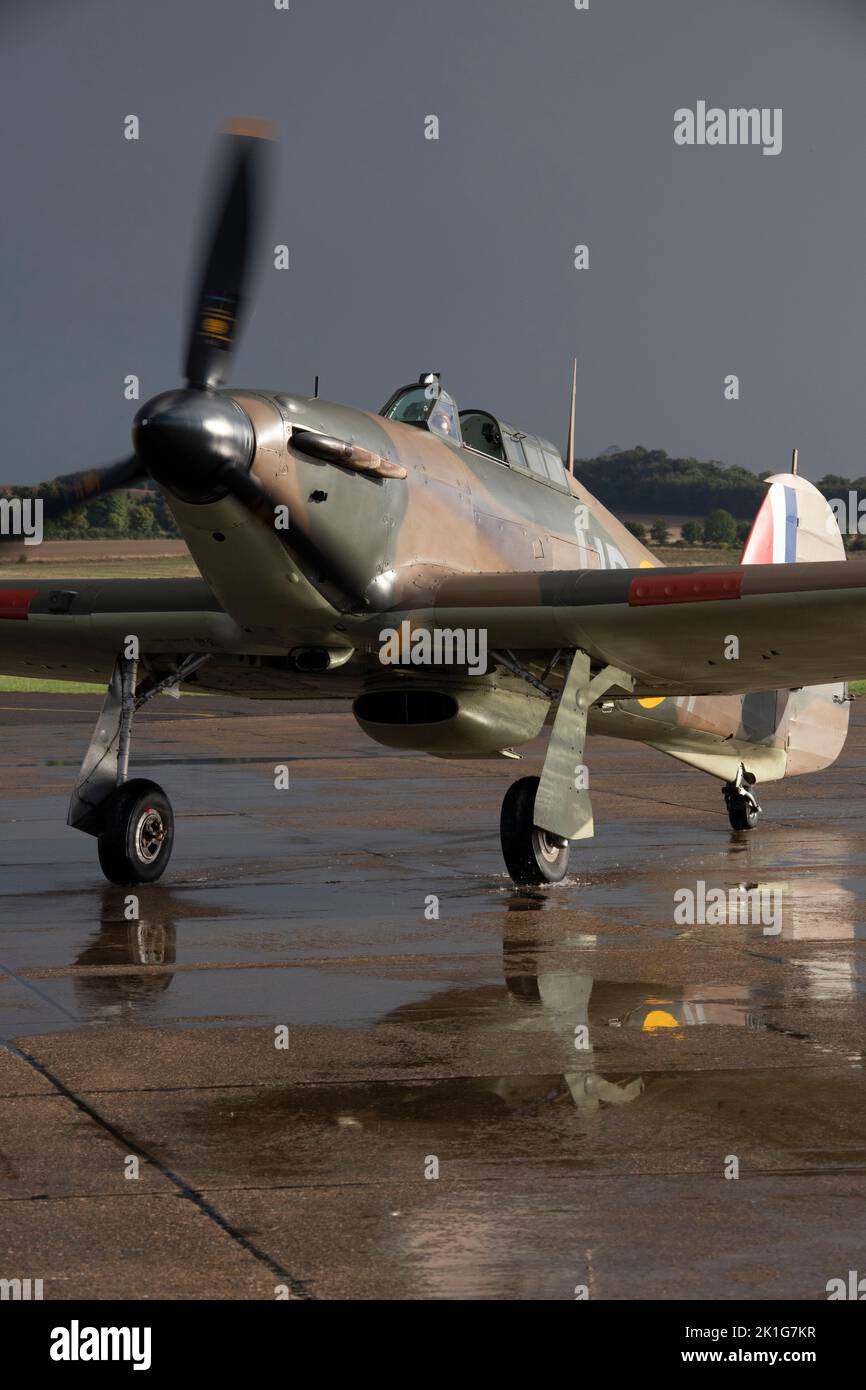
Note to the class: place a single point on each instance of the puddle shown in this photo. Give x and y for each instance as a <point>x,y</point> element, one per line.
<point>798,909</point>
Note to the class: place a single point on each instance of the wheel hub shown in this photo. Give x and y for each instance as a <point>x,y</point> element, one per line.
<point>149,835</point>
<point>548,847</point>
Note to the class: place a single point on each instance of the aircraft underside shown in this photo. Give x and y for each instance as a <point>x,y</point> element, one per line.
<point>740,739</point>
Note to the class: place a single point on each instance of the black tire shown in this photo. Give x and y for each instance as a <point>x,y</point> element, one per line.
<point>741,813</point>
<point>530,856</point>
<point>137,833</point>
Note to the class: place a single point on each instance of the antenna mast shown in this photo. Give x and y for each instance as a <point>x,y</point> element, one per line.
<point>569,448</point>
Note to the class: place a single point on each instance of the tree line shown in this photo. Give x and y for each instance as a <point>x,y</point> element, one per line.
<point>138,514</point>
<point>721,500</point>
<point>718,529</point>
<point>648,480</point>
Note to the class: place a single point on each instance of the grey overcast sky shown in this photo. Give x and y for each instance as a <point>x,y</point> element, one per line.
<point>556,128</point>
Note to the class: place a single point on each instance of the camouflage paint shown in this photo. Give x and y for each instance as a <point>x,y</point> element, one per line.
<point>463,539</point>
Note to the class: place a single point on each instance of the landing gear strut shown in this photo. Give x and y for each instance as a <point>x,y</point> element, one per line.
<point>531,855</point>
<point>132,821</point>
<point>541,815</point>
<point>743,808</point>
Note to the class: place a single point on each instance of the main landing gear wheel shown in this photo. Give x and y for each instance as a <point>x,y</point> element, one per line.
<point>137,833</point>
<point>531,855</point>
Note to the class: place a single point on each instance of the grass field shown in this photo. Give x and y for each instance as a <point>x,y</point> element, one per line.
<point>164,567</point>
<point>149,560</point>
<point>695,555</point>
<point>8,684</point>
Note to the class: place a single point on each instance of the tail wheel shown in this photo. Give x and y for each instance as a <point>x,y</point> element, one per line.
<point>742,812</point>
<point>137,834</point>
<point>740,800</point>
<point>531,854</point>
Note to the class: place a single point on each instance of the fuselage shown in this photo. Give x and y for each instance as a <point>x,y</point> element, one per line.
<point>356,544</point>
<point>387,543</point>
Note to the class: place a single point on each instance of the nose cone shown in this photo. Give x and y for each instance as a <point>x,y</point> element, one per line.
<point>187,439</point>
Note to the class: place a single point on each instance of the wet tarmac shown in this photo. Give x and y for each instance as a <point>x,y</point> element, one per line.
<point>352,1061</point>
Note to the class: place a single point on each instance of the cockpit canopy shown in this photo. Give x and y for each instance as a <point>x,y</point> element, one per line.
<point>426,404</point>
<point>487,435</point>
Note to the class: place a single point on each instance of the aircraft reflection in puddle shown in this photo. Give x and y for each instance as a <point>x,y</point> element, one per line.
<point>694,1007</point>
<point>816,909</point>
<point>147,947</point>
<point>552,1003</point>
<point>108,995</point>
<point>557,1001</point>
<point>810,909</point>
<point>643,1005</point>
<point>793,909</point>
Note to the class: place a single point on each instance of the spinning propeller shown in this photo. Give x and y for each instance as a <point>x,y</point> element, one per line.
<point>195,441</point>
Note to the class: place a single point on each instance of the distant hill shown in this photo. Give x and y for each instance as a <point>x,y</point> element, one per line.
<point>648,481</point>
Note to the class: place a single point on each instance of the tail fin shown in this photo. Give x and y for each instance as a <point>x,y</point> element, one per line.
<point>794,523</point>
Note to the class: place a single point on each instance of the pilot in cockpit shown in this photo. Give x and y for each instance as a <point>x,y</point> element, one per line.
<point>442,416</point>
<point>426,405</point>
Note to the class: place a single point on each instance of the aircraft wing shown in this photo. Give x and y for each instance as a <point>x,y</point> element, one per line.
<point>672,629</point>
<point>72,629</point>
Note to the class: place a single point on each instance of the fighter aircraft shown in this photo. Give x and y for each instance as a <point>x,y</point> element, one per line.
<point>325,534</point>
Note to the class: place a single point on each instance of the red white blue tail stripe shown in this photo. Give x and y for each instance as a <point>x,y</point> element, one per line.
<point>773,537</point>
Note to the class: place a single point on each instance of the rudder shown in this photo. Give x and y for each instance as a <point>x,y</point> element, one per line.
<point>796,524</point>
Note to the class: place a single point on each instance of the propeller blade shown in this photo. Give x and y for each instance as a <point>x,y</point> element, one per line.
<point>220,300</point>
<point>62,495</point>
